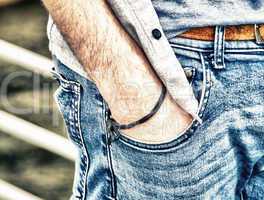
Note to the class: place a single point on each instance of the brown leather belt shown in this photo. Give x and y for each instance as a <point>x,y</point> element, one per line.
<point>239,32</point>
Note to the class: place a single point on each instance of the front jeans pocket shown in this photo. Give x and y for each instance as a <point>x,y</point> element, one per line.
<point>198,75</point>
<point>168,170</point>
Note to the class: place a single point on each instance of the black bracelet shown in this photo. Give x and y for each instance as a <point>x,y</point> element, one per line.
<point>116,126</point>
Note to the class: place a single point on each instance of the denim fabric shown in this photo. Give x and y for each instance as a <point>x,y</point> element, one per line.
<point>222,158</point>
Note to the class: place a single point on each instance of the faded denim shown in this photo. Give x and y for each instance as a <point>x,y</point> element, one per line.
<point>222,158</point>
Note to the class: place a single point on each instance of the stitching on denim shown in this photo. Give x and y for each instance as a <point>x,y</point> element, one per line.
<point>86,156</point>
<point>208,85</point>
<point>108,149</point>
<point>75,132</point>
<point>70,126</point>
<point>76,101</point>
<point>67,85</point>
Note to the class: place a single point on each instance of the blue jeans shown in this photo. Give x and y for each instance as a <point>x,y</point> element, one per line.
<point>222,158</point>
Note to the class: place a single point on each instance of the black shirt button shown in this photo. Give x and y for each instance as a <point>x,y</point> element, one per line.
<point>156,33</point>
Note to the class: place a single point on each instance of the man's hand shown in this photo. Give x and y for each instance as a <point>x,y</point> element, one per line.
<point>118,67</point>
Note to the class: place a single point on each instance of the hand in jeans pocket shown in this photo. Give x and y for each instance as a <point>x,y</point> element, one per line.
<point>168,123</point>
<point>171,121</point>
<point>132,94</point>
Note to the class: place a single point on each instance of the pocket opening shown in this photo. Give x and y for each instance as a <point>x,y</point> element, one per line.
<point>190,129</point>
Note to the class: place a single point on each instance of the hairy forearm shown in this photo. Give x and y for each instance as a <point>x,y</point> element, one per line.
<point>102,46</point>
<point>109,55</point>
<point>94,34</point>
<point>114,62</point>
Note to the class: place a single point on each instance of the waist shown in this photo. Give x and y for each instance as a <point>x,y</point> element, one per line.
<point>232,33</point>
<point>247,49</point>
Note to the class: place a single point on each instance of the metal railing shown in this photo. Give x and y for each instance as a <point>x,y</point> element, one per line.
<point>10,192</point>
<point>24,130</point>
<point>25,58</point>
<point>36,135</point>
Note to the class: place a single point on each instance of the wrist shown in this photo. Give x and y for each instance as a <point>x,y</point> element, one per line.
<point>167,124</point>
<point>131,91</point>
<point>131,101</point>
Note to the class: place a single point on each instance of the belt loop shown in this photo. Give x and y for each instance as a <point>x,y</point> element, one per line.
<point>259,38</point>
<point>219,47</point>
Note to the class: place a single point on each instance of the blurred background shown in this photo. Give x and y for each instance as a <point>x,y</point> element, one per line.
<point>23,164</point>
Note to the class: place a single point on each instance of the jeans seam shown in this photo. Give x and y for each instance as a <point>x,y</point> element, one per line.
<point>207,85</point>
<point>108,149</point>
<point>84,149</point>
<point>75,88</point>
